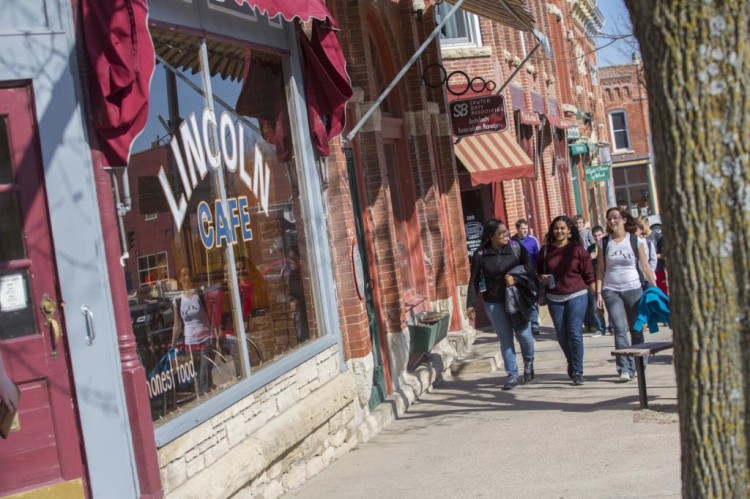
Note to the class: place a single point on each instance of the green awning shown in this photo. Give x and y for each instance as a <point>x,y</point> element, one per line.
<point>580,148</point>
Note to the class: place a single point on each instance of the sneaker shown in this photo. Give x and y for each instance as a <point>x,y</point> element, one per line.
<point>511,384</point>
<point>528,374</point>
<point>597,334</point>
<point>577,379</point>
<point>535,331</point>
<point>624,377</point>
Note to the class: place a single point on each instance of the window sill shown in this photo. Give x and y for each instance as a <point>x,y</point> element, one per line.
<point>465,52</point>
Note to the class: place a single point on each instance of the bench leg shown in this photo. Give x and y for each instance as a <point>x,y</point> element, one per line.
<point>639,367</point>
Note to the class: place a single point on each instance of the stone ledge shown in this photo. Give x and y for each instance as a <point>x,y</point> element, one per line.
<point>414,384</point>
<point>249,458</point>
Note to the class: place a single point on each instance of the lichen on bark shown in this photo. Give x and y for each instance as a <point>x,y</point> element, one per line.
<point>696,55</point>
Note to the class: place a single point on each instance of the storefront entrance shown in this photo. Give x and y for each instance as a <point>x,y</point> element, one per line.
<point>43,452</point>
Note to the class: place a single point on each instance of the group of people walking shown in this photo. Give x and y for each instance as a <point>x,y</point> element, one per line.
<point>577,273</point>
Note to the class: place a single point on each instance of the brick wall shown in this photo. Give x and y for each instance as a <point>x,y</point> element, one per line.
<point>624,89</point>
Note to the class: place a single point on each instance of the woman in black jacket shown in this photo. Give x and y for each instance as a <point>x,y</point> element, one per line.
<point>493,262</point>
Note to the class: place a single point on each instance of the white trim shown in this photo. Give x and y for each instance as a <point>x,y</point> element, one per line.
<point>612,131</point>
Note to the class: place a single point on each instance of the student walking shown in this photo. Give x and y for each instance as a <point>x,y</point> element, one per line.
<point>500,268</point>
<point>565,268</point>
<point>618,282</point>
<point>532,246</point>
<point>594,319</point>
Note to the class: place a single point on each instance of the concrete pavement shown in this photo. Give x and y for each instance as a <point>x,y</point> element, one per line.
<point>468,438</point>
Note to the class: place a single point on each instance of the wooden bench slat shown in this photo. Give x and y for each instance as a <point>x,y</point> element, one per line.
<point>644,349</point>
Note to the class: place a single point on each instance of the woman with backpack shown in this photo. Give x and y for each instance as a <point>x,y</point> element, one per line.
<point>618,282</point>
<point>501,270</point>
<point>564,266</point>
<point>192,317</point>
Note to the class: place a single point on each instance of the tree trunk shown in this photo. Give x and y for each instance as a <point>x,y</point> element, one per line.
<point>696,54</point>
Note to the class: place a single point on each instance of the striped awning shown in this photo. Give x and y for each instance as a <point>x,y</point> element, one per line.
<point>493,157</point>
<point>513,13</point>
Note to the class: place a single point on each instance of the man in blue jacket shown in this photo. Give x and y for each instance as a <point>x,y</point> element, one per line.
<point>532,246</point>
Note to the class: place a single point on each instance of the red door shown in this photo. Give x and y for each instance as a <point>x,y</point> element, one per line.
<point>45,450</point>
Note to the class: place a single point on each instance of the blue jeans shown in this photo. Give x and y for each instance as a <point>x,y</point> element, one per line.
<point>504,331</point>
<point>623,312</point>
<point>535,316</point>
<point>592,315</point>
<point>568,317</point>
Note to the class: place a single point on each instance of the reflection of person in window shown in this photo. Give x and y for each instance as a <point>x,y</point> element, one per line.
<point>191,315</point>
<point>298,309</point>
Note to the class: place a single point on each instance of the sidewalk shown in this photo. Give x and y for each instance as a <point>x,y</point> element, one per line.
<point>468,438</point>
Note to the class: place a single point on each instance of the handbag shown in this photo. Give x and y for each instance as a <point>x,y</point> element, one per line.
<point>542,294</point>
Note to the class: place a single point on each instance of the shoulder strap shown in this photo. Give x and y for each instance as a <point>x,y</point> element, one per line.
<point>634,246</point>
<point>605,242</point>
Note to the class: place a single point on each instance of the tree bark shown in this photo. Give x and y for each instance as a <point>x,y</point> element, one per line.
<point>696,54</point>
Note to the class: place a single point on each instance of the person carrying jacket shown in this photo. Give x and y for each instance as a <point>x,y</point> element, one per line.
<point>490,266</point>
<point>567,261</point>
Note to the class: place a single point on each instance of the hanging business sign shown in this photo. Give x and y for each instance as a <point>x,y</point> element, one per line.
<point>580,148</point>
<point>574,133</point>
<point>597,173</point>
<point>479,115</point>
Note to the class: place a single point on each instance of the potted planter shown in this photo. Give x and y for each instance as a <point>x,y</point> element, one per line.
<point>428,330</point>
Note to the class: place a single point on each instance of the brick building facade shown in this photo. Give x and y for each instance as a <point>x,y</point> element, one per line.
<point>625,104</point>
<point>553,102</point>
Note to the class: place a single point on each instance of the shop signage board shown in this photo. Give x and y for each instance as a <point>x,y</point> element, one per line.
<point>578,149</point>
<point>597,173</point>
<point>574,133</point>
<point>479,115</point>
<point>474,230</point>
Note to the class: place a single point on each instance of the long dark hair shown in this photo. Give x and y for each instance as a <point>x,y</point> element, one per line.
<point>490,227</point>
<point>575,235</point>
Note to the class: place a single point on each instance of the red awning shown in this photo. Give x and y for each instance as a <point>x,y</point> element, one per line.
<point>327,85</point>
<point>493,157</point>
<point>291,9</point>
<point>120,62</point>
<point>558,122</point>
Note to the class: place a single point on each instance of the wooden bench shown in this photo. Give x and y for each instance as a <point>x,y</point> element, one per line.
<point>640,351</point>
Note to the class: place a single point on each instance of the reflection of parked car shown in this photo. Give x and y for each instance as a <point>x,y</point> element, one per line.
<point>152,317</point>
<point>151,314</point>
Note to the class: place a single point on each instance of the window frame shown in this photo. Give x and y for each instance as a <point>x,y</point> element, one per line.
<point>473,36</point>
<point>613,132</point>
<point>197,20</point>
<point>148,268</point>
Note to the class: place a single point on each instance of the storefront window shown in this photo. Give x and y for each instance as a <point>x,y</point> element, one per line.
<point>218,272</point>
<point>632,191</point>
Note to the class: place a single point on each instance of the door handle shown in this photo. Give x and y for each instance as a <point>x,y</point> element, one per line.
<point>48,309</point>
<point>90,331</point>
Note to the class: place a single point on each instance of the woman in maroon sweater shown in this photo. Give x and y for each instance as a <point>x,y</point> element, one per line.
<point>567,261</point>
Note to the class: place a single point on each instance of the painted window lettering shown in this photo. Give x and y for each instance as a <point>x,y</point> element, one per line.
<point>195,156</point>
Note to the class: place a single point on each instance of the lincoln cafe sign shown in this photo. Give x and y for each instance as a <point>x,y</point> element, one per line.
<point>217,227</point>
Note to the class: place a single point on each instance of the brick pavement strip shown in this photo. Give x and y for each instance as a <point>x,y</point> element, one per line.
<point>546,439</point>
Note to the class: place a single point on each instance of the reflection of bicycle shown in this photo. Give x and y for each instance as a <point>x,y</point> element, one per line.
<point>256,349</point>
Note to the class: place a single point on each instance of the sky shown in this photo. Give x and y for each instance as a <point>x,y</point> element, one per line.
<point>616,23</point>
